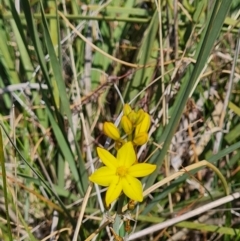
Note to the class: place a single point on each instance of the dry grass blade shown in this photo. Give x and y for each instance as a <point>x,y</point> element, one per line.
<point>186,216</point>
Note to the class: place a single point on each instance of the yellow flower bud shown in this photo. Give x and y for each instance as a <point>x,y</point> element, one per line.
<point>126,109</point>
<point>132,116</point>
<point>126,125</point>
<point>140,139</point>
<point>140,116</point>
<point>144,125</point>
<point>110,130</point>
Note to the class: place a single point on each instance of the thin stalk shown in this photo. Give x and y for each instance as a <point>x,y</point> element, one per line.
<point>5,187</point>
<point>82,17</point>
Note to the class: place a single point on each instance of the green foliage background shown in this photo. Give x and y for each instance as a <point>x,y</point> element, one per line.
<point>68,66</point>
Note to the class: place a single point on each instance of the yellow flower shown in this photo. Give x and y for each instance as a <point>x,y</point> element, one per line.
<point>120,173</point>
<point>144,125</point>
<point>140,139</point>
<point>140,116</point>
<point>133,116</point>
<point>126,109</point>
<point>126,125</point>
<point>110,130</point>
<point>141,131</point>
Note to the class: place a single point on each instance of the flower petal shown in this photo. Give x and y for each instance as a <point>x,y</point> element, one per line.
<point>110,130</point>
<point>141,169</point>
<point>140,116</point>
<point>126,125</point>
<point>144,125</point>
<point>132,188</point>
<point>140,138</point>
<point>126,155</point>
<point>126,109</point>
<point>103,176</point>
<point>113,191</point>
<point>107,158</point>
<point>132,116</point>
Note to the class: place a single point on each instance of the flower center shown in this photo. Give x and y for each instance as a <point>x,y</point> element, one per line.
<point>122,171</point>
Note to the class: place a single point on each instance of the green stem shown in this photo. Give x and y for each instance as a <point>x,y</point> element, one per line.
<point>5,187</point>
<point>130,137</point>
<point>118,218</point>
<point>82,17</point>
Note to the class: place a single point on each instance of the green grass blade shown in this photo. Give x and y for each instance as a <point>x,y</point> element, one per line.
<point>4,179</point>
<point>213,28</point>
<point>82,178</point>
<point>37,174</point>
<point>142,77</point>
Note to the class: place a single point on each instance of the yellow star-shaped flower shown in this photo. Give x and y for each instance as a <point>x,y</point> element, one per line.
<point>120,173</point>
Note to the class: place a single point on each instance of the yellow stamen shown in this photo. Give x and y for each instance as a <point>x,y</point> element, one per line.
<point>122,171</point>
